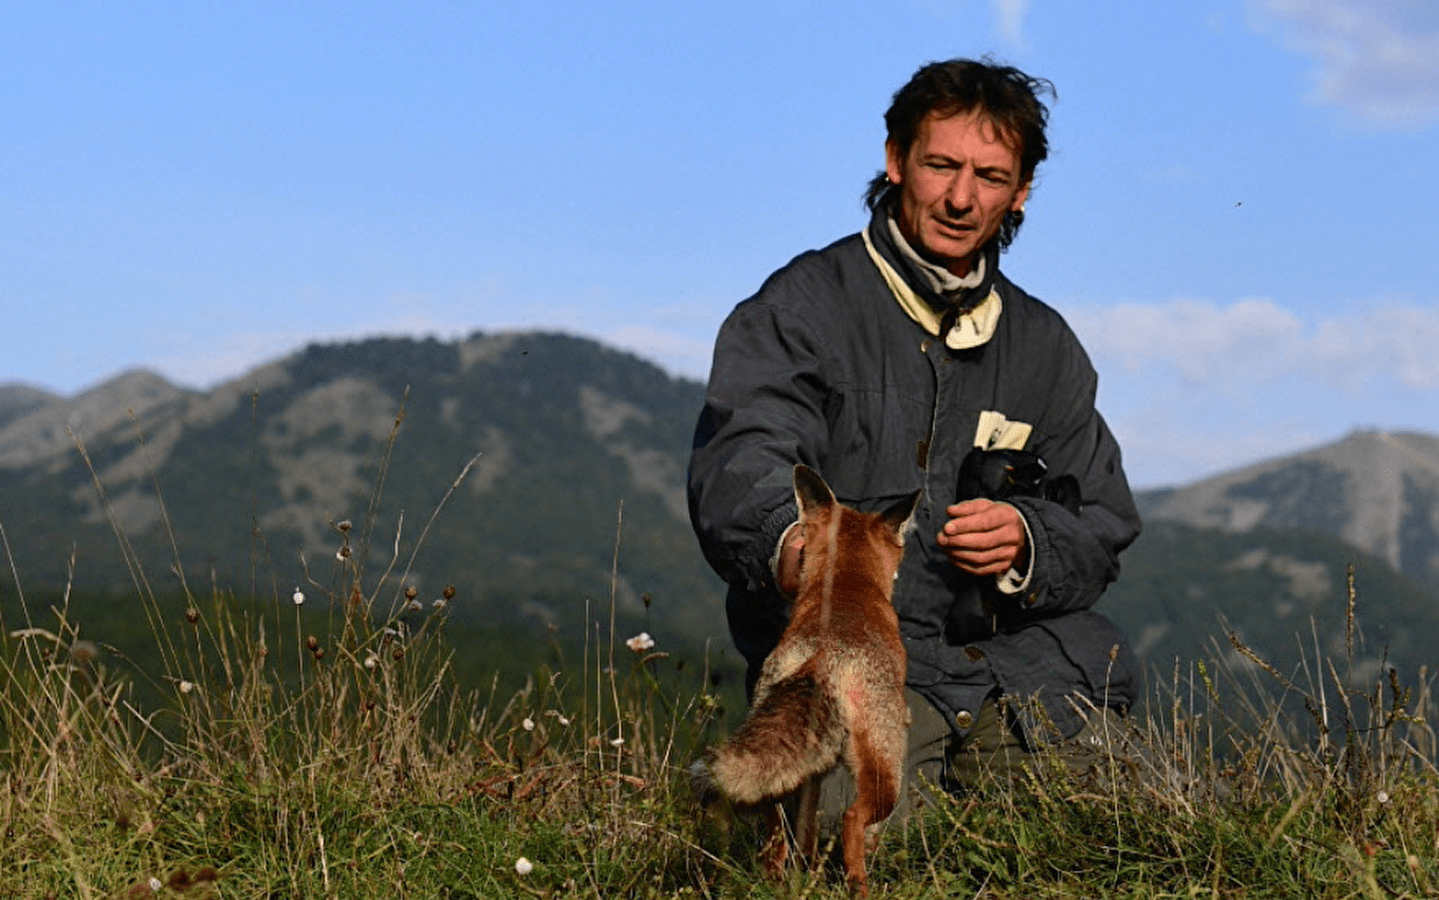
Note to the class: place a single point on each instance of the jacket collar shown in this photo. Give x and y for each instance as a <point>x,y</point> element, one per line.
<point>965,311</point>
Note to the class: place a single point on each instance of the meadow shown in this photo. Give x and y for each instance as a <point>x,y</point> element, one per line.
<point>318,743</point>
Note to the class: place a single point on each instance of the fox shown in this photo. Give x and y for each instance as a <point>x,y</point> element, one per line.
<point>832,690</point>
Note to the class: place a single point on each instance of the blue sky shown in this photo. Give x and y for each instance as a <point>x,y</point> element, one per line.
<point>1236,216</point>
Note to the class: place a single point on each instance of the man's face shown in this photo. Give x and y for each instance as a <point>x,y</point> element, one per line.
<point>957,182</point>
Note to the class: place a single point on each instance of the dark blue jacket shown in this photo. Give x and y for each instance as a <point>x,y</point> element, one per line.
<point>823,366</point>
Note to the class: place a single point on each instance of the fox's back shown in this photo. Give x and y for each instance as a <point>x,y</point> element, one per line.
<point>842,618</point>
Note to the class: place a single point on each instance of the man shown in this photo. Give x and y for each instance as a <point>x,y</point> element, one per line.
<point>882,361</point>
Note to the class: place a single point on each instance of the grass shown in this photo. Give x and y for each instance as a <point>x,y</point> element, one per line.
<point>353,766</point>
<point>320,745</point>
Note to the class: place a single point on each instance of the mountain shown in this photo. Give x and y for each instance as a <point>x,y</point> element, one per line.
<point>1284,592</point>
<point>568,449</point>
<point>1266,549</point>
<point>1375,490</point>
<point>540,474</point>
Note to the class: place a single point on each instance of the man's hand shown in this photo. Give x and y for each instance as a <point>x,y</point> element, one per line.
<point>983,537</point>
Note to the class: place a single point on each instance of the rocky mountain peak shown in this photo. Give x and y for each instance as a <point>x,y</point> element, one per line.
<point>41,424</point>
<point>1377,490</point>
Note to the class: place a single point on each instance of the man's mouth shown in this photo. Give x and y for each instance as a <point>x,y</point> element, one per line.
<point>952,225</point>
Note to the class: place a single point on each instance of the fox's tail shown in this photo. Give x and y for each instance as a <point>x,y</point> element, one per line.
<point>796,732</point>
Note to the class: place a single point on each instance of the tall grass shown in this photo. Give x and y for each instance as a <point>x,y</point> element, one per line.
<point>320,745</point>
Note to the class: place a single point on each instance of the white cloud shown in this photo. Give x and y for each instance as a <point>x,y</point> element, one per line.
<point>1258,340</point>
<point>680,354</point>
<point>1194,387</point>
<point>1009,20</point>
<point>1378,59</point>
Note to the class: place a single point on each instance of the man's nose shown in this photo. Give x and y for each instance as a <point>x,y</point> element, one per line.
<point>960,195</point>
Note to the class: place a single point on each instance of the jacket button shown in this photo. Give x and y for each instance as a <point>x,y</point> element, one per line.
<point>964,718</point>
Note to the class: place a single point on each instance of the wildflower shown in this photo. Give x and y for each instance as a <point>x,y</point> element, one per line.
<point>617,742</point>
<point>298,597</point>
<point>83,651</point>
<point>640,642</point>
<point>186,686</point>
<point>523,866</point>
<point>343,553</point>
<point>440,603</point>
<point>155,885</point>
<point>372,659</point>
<point>414,606</point>
<point>1382,797</point>
<point>528,724</point>
<point>344,525</point>
<point>449,592</point>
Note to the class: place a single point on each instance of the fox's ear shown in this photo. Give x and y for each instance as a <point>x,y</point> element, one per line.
<point>810,491</point>
<point>898,515</point>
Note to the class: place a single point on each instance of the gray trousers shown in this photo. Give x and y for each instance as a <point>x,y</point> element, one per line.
<point>991,752</point>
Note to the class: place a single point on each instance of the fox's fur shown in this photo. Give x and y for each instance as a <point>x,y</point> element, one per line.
<point>832,691</point>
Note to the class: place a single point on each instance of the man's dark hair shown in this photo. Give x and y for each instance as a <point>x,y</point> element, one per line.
<point>1004,95</point>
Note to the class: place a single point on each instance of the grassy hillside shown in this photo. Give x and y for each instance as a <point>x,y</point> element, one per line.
<point>325,745</point>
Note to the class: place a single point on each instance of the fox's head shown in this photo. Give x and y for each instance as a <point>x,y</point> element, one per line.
<point>838,539</point>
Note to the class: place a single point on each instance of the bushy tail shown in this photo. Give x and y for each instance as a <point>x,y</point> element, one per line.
<point>794,733</point>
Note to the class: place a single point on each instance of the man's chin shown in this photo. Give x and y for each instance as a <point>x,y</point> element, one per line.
<point>953,254</point>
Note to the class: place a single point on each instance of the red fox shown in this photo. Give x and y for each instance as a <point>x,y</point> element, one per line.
<point>833,689</point>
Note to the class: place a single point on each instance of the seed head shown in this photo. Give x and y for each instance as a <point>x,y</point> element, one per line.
<point>449,592</point>
<point>344,526</point>
<point>192,615</point>
<point>298,597</point>
<point>523,866</point>
<point>411,593</point>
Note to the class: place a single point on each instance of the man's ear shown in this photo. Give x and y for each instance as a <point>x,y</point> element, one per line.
<point>1020,196</point>
<point>893,162</point>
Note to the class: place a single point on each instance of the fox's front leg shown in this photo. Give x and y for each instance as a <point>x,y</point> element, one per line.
<point>774,852</point>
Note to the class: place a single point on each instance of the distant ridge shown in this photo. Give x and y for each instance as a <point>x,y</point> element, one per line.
<point>36,424</point>
<point>574,450</point>
<point>562,433</point>
<point>1377,490</point>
